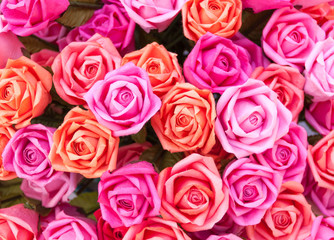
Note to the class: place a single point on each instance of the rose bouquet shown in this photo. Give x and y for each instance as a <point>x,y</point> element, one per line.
<point>176,119</point>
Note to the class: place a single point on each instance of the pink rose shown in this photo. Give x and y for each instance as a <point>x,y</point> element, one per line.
<point>53,32</point>
<point>26,17</point>
<point>250,118</point>
<point>81,64</point>
<point>128,195</point>
<point>224,237</point>
<point>124,100</point>
<point>18,223</point>
<point>253,189</point>
<point>308,3</point>
<point>261,5</point>
<point>153,14</point>
<point>321,116</point>
<point>215,63</point>
<point>288,155</point>
<point>156,228</point>
<point>130,153</point>
<point>287,82</point>
<point>319,71</point>
<point>289,218</point>
<point>45,57</point>
<point>58,189</point>
<point>12,48</point>
<point>289,37</point>
<point>328,27</point>
<point>192,193</point>
<point>323,199</point>
<point>322,228</point>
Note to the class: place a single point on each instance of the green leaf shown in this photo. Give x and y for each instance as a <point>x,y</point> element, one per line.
<point>140,137</point>
<point>169,159</point>
<point>87,201</point>
<point>34,44</point>
<point>312,140</point>
<point>152,155</point>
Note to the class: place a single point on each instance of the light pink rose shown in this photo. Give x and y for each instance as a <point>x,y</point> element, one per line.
<point>289,37</point>
<point>11,48</point>
<point>224,237</point>
<point>250,118</point>
<point>322,228</point>
<point>153,14</point>
<point>124,101</point>
<point>261,5</point>
<point>328,27</point>
<point>319,71</point>
<point>130,153</point>
<point>53,32</point>
<point>253,189</point>
<point>45,57</point>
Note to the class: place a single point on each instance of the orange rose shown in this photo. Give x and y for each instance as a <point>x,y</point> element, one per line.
<point>5,134</point>
<point>186,119</point>
<point>24,88</point>
<point>220,17</point>
<point>162,66</point>
<point>84,146</point>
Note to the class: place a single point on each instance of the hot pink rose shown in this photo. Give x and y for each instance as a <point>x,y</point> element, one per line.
<point>192,193</point>
<point>288,155</point>
<point>261,5</point>
<point>224,237</point>
<point>215,63</point>
<point>253,189</point>
<point>322,228</point>
<point>18,223</point>
<point>153,14</point>
<point>328,27</point>
<point>29,16</point>
<point>287,82</point>
<point>131,152</point>
<point>319,72</point>
<point>45,57</point>
<point>250,118</point>
<point>289,37</point>
<point>128,195</point>
<point>12,48</point>
<point>81,64</point>
<point>308,3</point>
<point>124,100</point>
<point>53,32</point>
<point>289,218</point>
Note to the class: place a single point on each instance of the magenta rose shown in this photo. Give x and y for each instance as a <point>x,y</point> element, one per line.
<point>319,71</point>
<point>288,154</point>
<point>253,189</point>
<point>53,32</point>
<point>124,101</point>
<point>131,152</point>
<point>224,237</point>
<point>27,152</point>
<point>153,14</point>
<point>12,48</point>
<point>129,195</point>
<point>216,63</point>
<point>30,16</point>
<point>322,228</point>
<point>289,37</point>
<point>58,189</point>
<point>260,5</point>
<point>250,119</point>
<point>323,199</point>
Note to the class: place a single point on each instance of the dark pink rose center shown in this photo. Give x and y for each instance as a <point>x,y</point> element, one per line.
<point>7,92</point>
<point>223,63</point>
<point>283,154</point>
<point>252,122</point>
<point>250,192</point>
<point>32,155</point>
<point>295,36</point>
<point>125,204</point>
<point>102,21</point>
<point>196,197</point>
<point>280,95</point>
<point>91,70</point>
<point>124,97</point>
<point>281,220</point>
<point>118,234</point>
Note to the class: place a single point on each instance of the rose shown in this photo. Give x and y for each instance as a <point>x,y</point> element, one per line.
<point>318,71</point>
<point>131,152</point>
<point>320,116</point>
<point>105,231</point>
<point>156,228</point>
<point>288,155</point>
<point>192,193</point>
<point>216,63</point>
<point>45,57</point>
<point>287,82</point>
<point>253,189</point>
<point>66,223</point>
<point>81,64</point>
<point>322,228</point>
<point>153,14</point>
<point>27,152</point>
<point>84,146</point>
<point>58,189</point>
<point>323,199</point>
<point>29,16</point>
<point>18,222</point>
<point>289,218</point>
<point>128,195</point>
<point>162,67</point>
<point>6,133</point>
<point>224,237</point>
<point>12,49</point>
<point>220,17</point>
<point>289,37</point>
<point>307,3</point>
<point>250,118</point>
<point>319,160</point>
<point>260,5</point>
<point>328,27</point>
<point>124,101</point>
<point>25,90</point>
<point>321,12</point>
<point>53,32</point>
<point>185,121</point>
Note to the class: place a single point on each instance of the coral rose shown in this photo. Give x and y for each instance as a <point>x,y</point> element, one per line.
<point>185,121</point>
<point>6,133</point>
<point>192,193</point>
<point>84,146</point>
<point>220,17</point>
<point>162,67</point>
<point>25,88</point>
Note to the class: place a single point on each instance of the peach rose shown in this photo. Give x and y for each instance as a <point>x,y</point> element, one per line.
<point>220,17</point>
<point>185,121</point>
<point>5,134</point>
<point>24,87</point>
<point>162,67</point>
<point>84,146</point>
